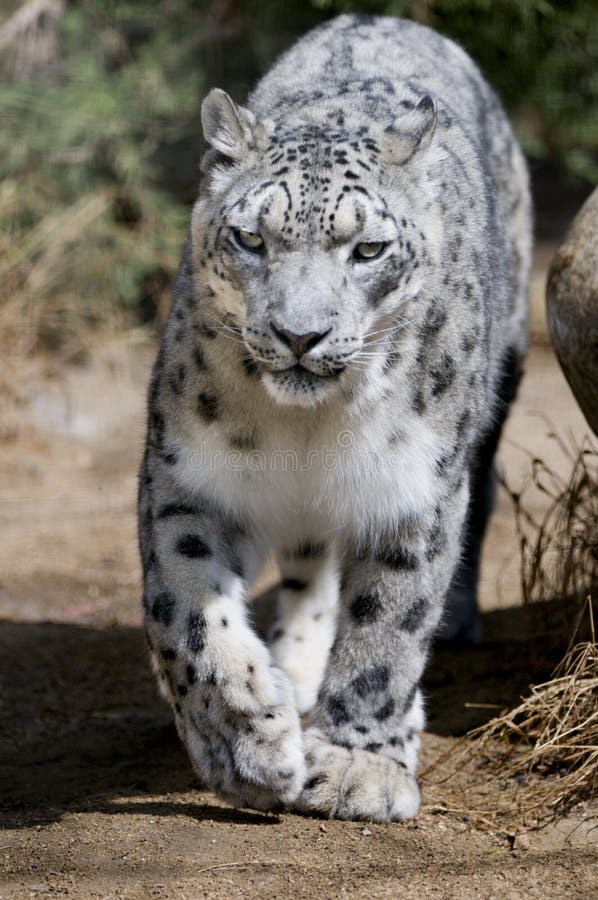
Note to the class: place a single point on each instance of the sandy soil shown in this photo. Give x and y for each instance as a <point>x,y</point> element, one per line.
<point>98,799</point>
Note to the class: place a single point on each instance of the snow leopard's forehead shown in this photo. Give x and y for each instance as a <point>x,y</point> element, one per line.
<point>314,180</point>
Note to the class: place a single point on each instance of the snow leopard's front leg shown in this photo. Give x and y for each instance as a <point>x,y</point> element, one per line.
<point>361,745</point>
<point>234,709</point>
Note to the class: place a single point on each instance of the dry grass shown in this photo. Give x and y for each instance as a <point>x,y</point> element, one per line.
<point>533,763</point>
<point>559,550</point>
<point>530,765</point>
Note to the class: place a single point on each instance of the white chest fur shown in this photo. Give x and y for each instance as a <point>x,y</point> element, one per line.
<point>339,479</point>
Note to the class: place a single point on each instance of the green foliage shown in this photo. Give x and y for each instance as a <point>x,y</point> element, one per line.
<point>86,220</point>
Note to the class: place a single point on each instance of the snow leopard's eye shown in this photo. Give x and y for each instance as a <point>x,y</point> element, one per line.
<point>249,240</point>
<point>369,251</point>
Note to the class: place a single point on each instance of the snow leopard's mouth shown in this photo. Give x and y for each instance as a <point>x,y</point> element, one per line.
<point>298,385</point>
<point>300,376</point>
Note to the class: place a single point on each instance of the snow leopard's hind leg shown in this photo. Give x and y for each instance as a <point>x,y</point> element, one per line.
<point>461,621</point>
<point>303,631</point>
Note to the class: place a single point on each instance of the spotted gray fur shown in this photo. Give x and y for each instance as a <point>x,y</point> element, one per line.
<point>336,410</point>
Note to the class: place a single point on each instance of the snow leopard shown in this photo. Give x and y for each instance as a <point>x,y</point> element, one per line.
<point>347,332</point>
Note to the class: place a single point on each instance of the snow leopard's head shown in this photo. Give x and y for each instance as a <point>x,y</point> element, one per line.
<point>310,235</point>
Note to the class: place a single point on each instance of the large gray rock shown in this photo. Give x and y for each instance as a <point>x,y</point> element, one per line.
<point>572,308</point>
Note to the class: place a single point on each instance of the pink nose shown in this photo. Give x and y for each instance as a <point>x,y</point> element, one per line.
<point>299,343</point>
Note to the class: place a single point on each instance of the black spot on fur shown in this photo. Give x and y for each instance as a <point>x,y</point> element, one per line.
<point>167,653</point>
<point>468,342</point>
<point>157,426</point>
<point>409,701</point>
<point>176,509</point>
<point>191,674</point>
<point>392,358</point>
<point>398,557</point>
<point>436,539</point>
<point>371,680</point>
<point>250,366</point>
<point>418,402</point>
<point>373,747</point>
<point>366,608</point>
<point>234,563</point>
<point>443,374</point>
<point>386,711</point>
<point>338,712</point>
<point>169,457</point>
<point>192,546</point>
<point>198,358</point>
<point>207,406</point>
<point>243,441</point>
<point>414,616</point>
<point>207,331</point>
<point>176,379</point>
<point>163,608</point>
<point>463,422</point>
<point>433,322</point>
<point>196,630</point>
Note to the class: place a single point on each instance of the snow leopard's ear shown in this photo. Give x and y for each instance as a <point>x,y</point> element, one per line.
<point>410,132</point>
<point>229,130</point>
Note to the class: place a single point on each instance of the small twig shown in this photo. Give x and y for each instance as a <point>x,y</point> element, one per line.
<point>482,705</point>
<point>240,865</point>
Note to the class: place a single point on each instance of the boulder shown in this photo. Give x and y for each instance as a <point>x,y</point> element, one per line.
<point>572,308</point>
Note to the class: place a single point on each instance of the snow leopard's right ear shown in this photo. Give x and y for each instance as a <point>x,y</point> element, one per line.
<point>229,130</point>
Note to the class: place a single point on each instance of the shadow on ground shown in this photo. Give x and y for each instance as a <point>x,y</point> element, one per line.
<point>81,722</point>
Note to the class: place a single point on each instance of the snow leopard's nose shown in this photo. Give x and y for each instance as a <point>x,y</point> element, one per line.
<point>299,343</point>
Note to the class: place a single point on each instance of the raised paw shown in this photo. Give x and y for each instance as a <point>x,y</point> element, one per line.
<point>251,759</point>
<point>345,783</point>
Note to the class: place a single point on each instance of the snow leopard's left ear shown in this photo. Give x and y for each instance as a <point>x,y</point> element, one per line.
<point>230,130</point>
<point>410,132</point>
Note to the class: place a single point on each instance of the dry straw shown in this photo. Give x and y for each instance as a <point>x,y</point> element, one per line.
<point>530,765</point>
<point>534,762</point>
<point>559,548</point>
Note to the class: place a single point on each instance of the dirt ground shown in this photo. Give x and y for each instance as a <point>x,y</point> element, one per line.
<point>97,797</point>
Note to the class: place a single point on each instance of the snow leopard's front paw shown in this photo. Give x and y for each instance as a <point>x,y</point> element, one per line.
<point>345,783</point>
<point>250,757</point>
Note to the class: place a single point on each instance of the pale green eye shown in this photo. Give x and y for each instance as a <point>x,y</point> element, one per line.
<point>369,250</point>
<point>249,240</point>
